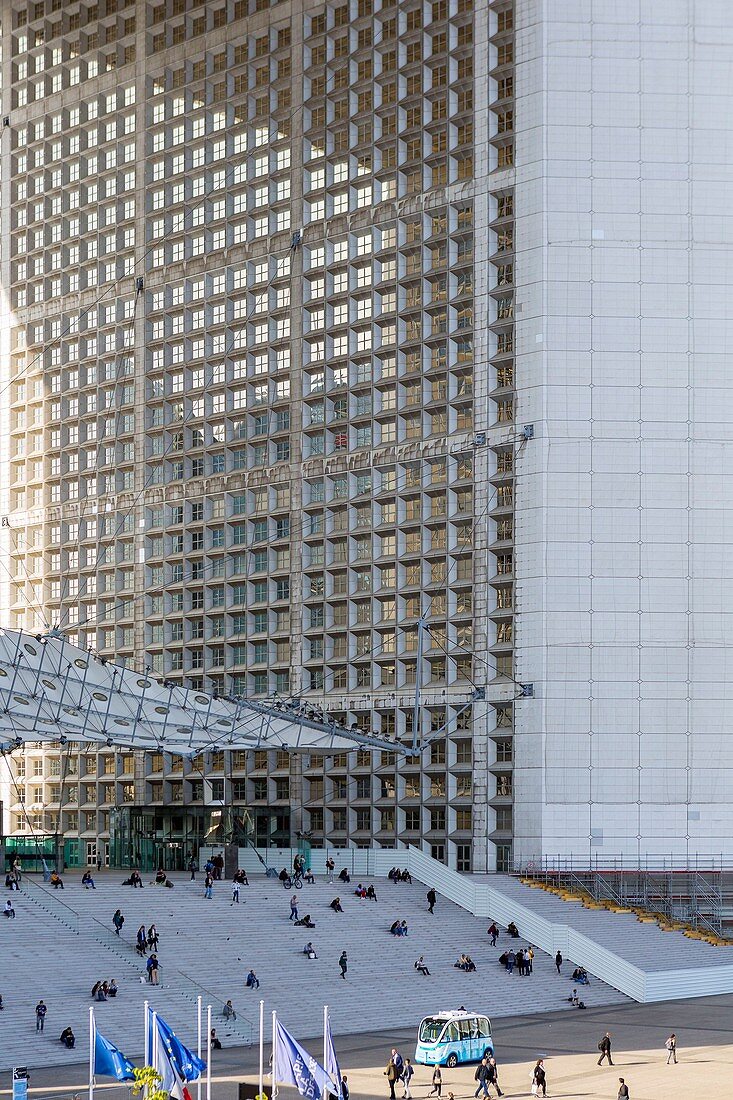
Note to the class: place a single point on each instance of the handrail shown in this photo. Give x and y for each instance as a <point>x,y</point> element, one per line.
<point>52,902</point>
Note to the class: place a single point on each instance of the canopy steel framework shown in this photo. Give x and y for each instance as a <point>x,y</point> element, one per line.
<point>53,691</point>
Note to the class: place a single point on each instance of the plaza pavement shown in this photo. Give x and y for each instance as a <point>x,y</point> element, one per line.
<point>566,1040</point>
<point>208,946</point>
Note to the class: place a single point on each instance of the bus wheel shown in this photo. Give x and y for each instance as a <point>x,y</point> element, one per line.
<point>452,1061</point>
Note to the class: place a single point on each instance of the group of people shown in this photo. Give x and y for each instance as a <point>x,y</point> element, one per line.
<point>522,958</point>
<point>102,991</point>
<point>399,928</point>
<point>399,1071</point>
<point>365,892</point>
<point>146,939</point>
<point>487,1073</point>
<point>396,875</point>
<point>13,876</point>
<point>465,962</point>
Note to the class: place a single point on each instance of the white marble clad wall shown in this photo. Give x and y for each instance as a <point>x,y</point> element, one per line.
<point>624,205</point>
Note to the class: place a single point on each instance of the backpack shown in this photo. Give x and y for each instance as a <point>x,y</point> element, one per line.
<point>669,1044</point>
<point>600,1045</point>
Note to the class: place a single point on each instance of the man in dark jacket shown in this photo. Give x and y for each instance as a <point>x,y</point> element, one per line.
<point>482,1076</point>
<point>605,1048</point>
<point>432,898</point>
<point>494,1075</point>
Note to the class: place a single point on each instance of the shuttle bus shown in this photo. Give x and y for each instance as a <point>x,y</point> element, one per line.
<point>449,1038</point>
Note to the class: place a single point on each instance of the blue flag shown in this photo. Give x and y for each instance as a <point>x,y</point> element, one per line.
<point>332,1064</point>
<point>188,1065</point>
<point>111,1062</point>
<point>295,1066</point>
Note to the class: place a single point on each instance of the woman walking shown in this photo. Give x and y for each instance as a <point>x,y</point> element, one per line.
<point>539,1079</point>
<point>437,1082</point>
<point>153,938</point>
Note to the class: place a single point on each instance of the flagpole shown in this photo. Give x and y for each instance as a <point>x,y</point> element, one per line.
<point>153,1042</point>
<point>146,1060</point>
<point>91,1052</point>
<point>198,1047</point>
<point>208,1052</point>
<point>274,1055</point>
<point>325,1038</point>
<point>262,1047</point>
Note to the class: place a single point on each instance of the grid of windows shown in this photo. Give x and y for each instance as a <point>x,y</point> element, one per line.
<point>242,446</point>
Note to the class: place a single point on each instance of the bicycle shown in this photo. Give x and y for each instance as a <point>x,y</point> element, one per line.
<point>293,880</point>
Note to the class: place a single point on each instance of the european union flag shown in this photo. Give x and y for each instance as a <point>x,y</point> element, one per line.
<point>189,1065</point>
<point>295,1066</point>
<point>111,1062</point>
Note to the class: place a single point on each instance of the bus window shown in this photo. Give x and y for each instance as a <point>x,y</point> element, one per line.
<point>452,1034</point>
<point>474,1027</point>
<point>484,1029</point>
<point>430,1030</point>
<point>465,1028</point>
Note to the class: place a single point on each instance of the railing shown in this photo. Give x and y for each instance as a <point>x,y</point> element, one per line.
<point>51,902</point>
<point>665,861</point>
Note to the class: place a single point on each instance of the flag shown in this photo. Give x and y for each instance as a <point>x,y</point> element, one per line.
<point>171,1080</point>
<point>111,1062</point>
<point>295,1066</point>
<point>332,1066</point>
<point>187,1064</point>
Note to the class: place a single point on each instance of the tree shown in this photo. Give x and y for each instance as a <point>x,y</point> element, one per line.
<point>146,1082</point>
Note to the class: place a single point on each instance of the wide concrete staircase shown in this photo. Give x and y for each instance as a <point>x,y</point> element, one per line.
<point>62,942</point>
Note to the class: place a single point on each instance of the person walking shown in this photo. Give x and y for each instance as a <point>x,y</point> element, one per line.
<point>493,931</point>
<point>539,1079</point>
<point>41,1011</point>
<point>152,967</point>
<point>558,961</point>
<point>671,1045</point>
<point>481,1075</point>
<point>118,920</point>
<point>330,868</point>
<point>623,1090</point>
<point>605,1048</point>
<point>392,1075</point>
<point>153,937</point>
<point>192,868</point>
<point>294,907</point>
<point>407,1075</point>
<point>208,887</point>
<point>142,940</point>
<point>494,1075</point>
<point>437,1083</point>
<point>432,898</point>
<point>530,959</point>
<point>344,1087</point>
<point>343,964</point>
<point>235,892</point>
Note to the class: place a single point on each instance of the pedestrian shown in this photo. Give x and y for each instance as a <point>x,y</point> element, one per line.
<point>558,961</point>
<point>494,1075</point>
<point>437,1082</point>
<point>208,887</point>
<point>481,1075</point>
<point>529,960</point>
<point>192,868</point>
<point>218,862</point>
<point>142,941</point>
<point>118,920</point>
<point>539,1079</point>
<point>294,907</point>
<point>235,892</point>
<point>8,910</point>
<point>252,982</point>
<point>343,966</point>
<point>510,960</point>
<point>493,931</point>
<point>153,937</point>
<point>432,898</point>
<point>330,868</point>
<point>623,1090</point>
<point>605,1048</point>
<point>344,1087</point>
<point>407,1075</point>
<point>41,1011</point>
<point>215,1040</point>
<point>152,966</point>
<point>671,1046</point>
<point>228,1011</point>
<point>519,958</point>
<point>392,1077</point>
